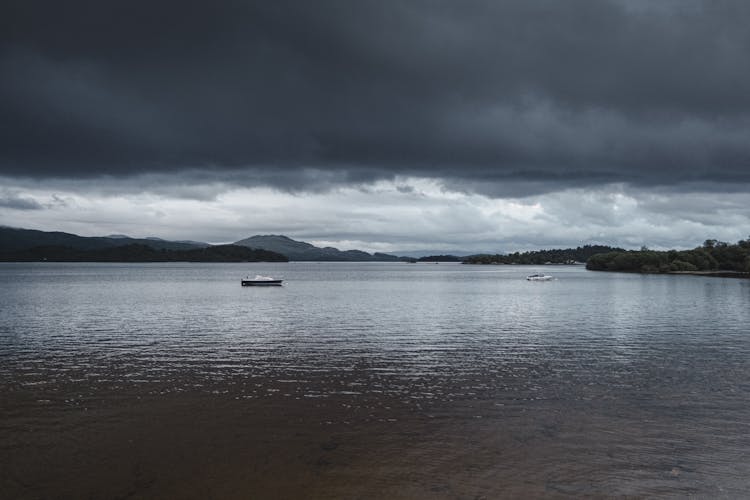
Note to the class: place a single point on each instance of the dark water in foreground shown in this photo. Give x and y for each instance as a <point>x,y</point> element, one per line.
<point>635,385</point>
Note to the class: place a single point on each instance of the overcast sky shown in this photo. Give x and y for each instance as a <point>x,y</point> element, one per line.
<point>380,125</point>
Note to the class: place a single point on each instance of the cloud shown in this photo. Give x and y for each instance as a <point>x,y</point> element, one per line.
<point>16,201</point>
<point>505,99</point>
<point>382,125</point>
<point>403,214</point>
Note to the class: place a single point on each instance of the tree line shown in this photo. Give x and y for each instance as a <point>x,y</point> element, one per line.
<point>537,257</point>
<point>713,255</point>
<point>143,253</point>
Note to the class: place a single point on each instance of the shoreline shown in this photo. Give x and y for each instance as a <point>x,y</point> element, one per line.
<point>710,274</point>
<point>715,274</point>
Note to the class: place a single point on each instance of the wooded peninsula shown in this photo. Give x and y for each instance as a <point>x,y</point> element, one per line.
<point>713,257</point>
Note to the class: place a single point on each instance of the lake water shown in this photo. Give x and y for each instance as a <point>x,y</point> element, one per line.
<point>656,368</point>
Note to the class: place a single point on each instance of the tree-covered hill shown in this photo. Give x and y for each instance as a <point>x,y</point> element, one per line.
<point>713,255</point>
<point>16,239</point>
<point>537,257</point>
<point>303,251</point>
<point>143,253</point>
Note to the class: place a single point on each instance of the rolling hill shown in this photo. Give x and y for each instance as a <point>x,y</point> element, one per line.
<point>301,251</point>
<point>16,239</point>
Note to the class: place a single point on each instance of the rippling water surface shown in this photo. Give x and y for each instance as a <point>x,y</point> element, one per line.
<point>670,354</point>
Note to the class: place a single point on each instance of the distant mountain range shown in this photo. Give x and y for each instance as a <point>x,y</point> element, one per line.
<point>301,251</point>
<point>15,239</point>
<point>30,244</point>
<point>426,253</point>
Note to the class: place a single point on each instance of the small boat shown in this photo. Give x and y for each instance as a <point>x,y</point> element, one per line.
<point>260,281</point>
<point>539,277</point>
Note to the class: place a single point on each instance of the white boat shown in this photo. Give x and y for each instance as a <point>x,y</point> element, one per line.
<point>260,281</point>
<point>539,277</point>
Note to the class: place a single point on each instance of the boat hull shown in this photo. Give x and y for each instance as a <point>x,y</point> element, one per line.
<point>261,283</point>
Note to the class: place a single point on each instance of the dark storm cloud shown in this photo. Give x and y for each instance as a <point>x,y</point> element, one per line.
<point>490,95</point>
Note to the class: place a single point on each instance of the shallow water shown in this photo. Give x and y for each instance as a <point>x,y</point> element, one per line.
<point>650,374</point>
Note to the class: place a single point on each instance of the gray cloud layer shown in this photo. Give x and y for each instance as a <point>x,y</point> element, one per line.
<point>493,96</point>
<point>16,201</point>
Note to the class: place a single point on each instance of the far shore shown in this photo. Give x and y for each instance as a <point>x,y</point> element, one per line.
<point>715,274</point>
<point>712,274</point>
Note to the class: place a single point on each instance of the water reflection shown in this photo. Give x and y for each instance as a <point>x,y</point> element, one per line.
<point>667,353</point>
<point>458,322</point>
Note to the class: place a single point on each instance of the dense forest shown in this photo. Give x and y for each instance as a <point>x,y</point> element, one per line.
<point>566,256</point>
<point>439,258</point>
<point>713,255</point>
<point>142,253</point>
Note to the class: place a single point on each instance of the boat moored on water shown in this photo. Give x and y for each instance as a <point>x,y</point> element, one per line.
<point>260,281</point>
<point>539,277</point>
